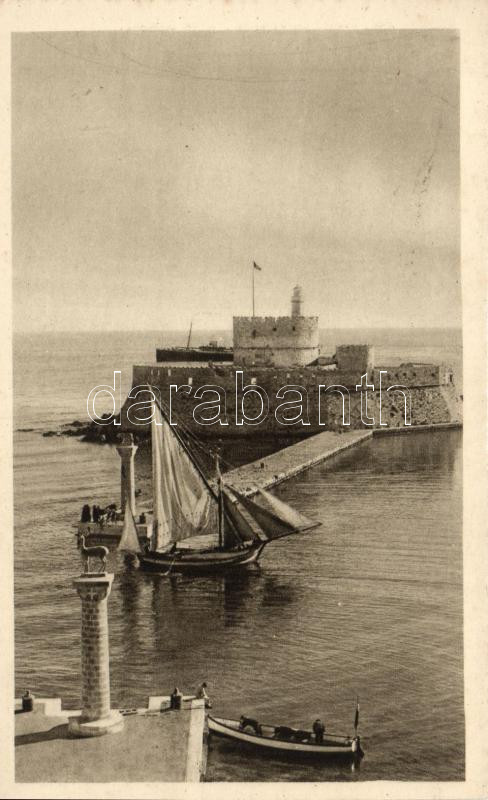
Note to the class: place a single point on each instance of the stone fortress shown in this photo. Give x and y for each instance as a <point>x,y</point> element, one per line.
<point>277,352</point>
<point>277,341</point>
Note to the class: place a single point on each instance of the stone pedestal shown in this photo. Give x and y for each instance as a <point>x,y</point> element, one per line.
<point>127,452</point>
<point>96,718</point>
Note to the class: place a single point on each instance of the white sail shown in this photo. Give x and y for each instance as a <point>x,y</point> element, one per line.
<point>161,535</point>
<point>286,513</point>
<point>183,505</point>
<point>129,540</point>
<point>240,524</point>
<point>281,521</point>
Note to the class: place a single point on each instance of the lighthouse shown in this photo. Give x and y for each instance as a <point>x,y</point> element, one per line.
<point>296,302</point>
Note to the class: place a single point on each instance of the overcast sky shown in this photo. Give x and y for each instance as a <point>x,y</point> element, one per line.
<point>151,169</point>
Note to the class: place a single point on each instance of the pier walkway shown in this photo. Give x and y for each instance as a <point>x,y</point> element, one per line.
<point>155,745</point>
<point>284,464</point>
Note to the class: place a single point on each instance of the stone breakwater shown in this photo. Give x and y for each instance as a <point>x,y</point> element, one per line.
<point>285,464</point>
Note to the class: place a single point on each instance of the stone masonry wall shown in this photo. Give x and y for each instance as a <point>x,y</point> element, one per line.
<point>415,375</point>
<point>95,696</point>
<point>279,341</point>
<point>354,358</point>
<point>430,403</point>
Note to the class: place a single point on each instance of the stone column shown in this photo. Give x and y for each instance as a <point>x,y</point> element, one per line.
<point>127,451</point>
<point>96,716</point>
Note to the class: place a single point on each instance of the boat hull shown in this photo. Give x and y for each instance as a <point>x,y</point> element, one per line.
<point>333,747</point>
<point>200,561</point>
<point>203,354</point>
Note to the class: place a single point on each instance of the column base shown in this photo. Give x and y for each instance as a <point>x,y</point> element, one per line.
<point>96,727</point>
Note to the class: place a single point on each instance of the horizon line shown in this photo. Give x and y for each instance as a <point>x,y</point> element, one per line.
<point>227,330</point>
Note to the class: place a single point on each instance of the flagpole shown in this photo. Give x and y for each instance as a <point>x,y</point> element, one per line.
<point>252,288</point>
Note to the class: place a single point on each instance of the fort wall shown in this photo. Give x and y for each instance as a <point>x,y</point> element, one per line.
<point>355,357</point>
<point>431,396</point>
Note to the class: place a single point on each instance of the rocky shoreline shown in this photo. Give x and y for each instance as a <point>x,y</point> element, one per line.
<point>106,433</point>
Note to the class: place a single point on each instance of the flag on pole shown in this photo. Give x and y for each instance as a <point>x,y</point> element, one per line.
<point>256,266</point>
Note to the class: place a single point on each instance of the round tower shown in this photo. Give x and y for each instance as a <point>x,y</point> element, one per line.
<point>296,302</point>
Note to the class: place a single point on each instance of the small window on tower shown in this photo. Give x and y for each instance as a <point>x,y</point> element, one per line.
<point>254,333</point>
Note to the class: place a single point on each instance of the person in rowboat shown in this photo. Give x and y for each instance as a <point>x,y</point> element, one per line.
<point>319,730</point>
<point>253,724</point>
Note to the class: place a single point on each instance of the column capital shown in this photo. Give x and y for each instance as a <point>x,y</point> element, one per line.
<point>94,583</point>
<point>127,450</point>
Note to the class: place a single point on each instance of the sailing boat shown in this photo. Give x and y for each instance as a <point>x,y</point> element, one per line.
<point>186,505</point>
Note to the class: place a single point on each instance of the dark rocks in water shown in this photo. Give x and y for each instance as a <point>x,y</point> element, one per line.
<point>104,432</point>
<point>25,430</point>
<point>73,431</point>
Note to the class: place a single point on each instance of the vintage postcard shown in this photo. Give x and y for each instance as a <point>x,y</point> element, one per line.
<point>244,400</point>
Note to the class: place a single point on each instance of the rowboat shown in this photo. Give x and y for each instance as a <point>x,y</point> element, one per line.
<point>286,740</point>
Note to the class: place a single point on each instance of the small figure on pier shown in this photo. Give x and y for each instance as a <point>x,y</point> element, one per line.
<point>27,701</point>
<point>175,699</point>
<point>96,513</point>
<point>86,513</point>
<point>202,695</point>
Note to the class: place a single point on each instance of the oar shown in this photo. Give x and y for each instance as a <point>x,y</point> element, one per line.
<point>359,751</point>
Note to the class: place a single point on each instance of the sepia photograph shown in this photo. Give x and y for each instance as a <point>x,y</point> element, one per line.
<point>237,407</point>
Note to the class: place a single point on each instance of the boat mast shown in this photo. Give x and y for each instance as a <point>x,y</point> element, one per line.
<point>156,482</point>
<point>221,500</point>
<point>189,335</point>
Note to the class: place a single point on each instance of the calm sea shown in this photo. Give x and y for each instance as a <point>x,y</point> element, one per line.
<point>369,604</point>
